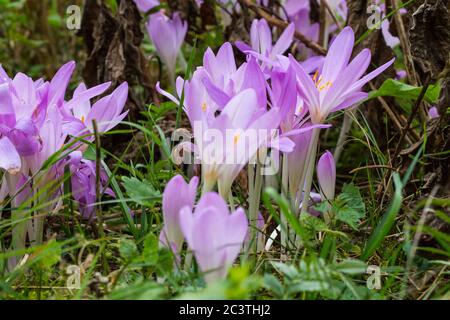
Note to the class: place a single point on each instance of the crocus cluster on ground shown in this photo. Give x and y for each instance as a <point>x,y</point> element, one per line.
<point>228,107</point>
<point>41,134</point>
<point>268,110</point>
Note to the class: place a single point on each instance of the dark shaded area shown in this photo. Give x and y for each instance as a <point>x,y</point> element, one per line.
<point>113,46</point>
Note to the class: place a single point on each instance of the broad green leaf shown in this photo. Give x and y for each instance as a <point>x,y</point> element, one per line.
<point>48,255</point>
<point>150,252</point>
<point>351,266</point>
<point>349,206</point>
<point>141,192</point>
<point>127,249</point>
<point>273,284</point>
<point>394,88</point>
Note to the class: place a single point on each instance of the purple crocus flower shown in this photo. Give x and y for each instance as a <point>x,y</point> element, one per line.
<point>400,74</point>
<point>107,111</point>
<point>221,160</point>
<point>340,84</point>
<point>214,235</point>
<point>83,183</point>
<point>326,173</point>
<point>219,80</point>
<point>433,113</point>
<point>177,194</point>
<point>223,80</point>
<point>168,36</point>
<point>146,5</point>
<point>19,100</point>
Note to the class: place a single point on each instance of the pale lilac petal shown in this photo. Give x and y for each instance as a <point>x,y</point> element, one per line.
<point>59,83</point>
<point>254,79</point>
<point>209,242</point>
<point>241,108</point>
<point>7,115</point>
<point>348,76</point>
<point>211,199</point>
<point>297,160</point>
<point>166,94</point>
<point>306,84</point>
<point>177,194</point>
<point>237,227</point>
<point>225,58</point>
<point>351,100</point>
<point>243,46</point>
<point>146,5</point>
<point>326,173</point>
<point>9,159</point>
<point>339,54</point>
<point>433,113</point>
<point>25,137</point>
<point>216,94</point>
<point>285,40</point>
<point>390,40</point>
<point>80,102</point>
<point>186,220</point>
<point>360,83</point>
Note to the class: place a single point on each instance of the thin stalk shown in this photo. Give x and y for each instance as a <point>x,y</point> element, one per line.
<point>284,186</point>
<point>231,202</point>
<point>346,126</point>
<point>312,151</point>
<point>254,199</point>
<point>99,213</point>
<point>19,229</point>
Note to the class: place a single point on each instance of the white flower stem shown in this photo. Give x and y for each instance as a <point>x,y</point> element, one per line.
<point>19,226</point>
<point>254,206</point>
<point>346,126</point>
<point>254,199</point>
<point>284,231</point>
<point>310,165</point>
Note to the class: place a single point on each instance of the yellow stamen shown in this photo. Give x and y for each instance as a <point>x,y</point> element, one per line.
<point>236,139</point>
<point>318,82</point>
<point>204,106</point>
<point>82,119</point>
<point>328,84</point>
<point>315,75</point>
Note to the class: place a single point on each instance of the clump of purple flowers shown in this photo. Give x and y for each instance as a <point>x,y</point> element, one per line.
<point>271,90</point>
<point>40,135</point>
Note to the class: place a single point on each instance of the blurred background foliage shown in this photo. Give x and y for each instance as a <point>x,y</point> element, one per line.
<point>34,38</point>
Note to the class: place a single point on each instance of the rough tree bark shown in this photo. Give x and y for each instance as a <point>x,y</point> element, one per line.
<point>430,47</point>
<point>113,45</point>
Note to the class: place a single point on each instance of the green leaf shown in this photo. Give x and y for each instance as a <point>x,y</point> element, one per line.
<point>287,270</point>
<point>150,252</point>
<point>271,283</point>
<point>141,290</point>
<point>349,206</point>
<point>91,154</point>
<point>48,255</point>
<point>351,266</point>
<point>127,249</point>
<point>313,223</point>
<point>308,286</point>
<point>141,192</point>
<point>386,222</point>
<point>397,89</point>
